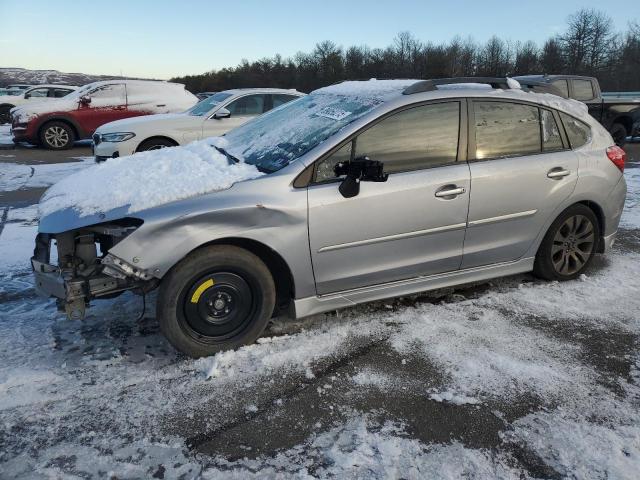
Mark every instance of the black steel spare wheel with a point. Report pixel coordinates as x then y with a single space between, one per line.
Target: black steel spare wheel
218 298
217 306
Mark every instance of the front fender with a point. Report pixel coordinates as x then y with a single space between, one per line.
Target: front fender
278 222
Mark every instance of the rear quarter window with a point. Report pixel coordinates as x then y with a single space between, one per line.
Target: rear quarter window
578 132
582 90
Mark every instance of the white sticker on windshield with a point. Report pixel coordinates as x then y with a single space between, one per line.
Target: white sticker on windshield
333 113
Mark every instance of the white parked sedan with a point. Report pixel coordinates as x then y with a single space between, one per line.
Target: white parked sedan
37 93
211 117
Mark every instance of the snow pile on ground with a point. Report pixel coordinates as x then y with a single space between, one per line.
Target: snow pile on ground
146 179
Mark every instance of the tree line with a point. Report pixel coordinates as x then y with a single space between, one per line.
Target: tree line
588 46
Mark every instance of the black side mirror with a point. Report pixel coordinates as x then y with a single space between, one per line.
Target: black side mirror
361 169
85 100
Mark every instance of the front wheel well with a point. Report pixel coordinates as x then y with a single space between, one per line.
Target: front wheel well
61 120
157 137
280 271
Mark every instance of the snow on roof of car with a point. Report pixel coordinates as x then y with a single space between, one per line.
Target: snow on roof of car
167 175
380 89
52 85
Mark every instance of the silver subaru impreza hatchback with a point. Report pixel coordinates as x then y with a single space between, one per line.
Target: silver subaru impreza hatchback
367 190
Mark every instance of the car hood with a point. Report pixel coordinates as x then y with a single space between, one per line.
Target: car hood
30 110
126 185
150 121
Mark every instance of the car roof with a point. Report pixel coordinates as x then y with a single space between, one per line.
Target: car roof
236 91
549 78
389 94
53 85
134 82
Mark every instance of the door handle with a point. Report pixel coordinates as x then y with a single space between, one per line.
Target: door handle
450 191
558 172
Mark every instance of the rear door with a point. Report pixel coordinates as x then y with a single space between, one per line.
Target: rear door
107 104
404 227
521 170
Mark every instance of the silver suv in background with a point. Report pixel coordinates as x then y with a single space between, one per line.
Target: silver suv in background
363 191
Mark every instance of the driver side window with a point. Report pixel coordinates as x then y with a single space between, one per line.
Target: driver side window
412 139
249 105
38 93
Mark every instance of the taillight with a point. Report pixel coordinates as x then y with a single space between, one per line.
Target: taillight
617 156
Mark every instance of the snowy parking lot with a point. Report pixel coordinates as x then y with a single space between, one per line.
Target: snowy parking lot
516 378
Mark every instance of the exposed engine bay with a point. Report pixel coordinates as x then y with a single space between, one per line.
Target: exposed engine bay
81 269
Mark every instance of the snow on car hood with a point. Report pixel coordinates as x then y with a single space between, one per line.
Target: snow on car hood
144 180
24 113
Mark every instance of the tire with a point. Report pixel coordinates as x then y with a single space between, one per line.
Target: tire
155 144
5 116
619 134
218 298
569 245
57 136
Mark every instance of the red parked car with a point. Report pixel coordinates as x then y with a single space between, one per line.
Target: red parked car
57 124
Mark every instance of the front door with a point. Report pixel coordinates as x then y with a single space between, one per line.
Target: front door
413 224
521 170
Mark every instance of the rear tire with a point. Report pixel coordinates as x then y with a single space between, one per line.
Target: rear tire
5 116
57 136
155 144
619 134
218 298
569 245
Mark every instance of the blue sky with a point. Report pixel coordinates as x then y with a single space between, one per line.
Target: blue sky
165 38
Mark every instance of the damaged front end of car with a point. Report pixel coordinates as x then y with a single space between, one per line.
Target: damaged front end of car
81 269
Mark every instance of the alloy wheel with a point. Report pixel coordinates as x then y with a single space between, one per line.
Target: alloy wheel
572 245
56 137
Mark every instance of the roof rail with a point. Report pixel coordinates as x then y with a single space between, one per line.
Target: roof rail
431 85
537 86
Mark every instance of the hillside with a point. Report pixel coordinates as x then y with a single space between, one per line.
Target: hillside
35 77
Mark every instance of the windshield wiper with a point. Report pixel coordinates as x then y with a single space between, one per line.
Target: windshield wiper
230 157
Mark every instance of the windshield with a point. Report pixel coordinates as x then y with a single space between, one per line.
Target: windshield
201 108
273 140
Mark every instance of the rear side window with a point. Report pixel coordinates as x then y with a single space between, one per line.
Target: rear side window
582 90
60 92
562 85
578 132
506 129
551 139
413 139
